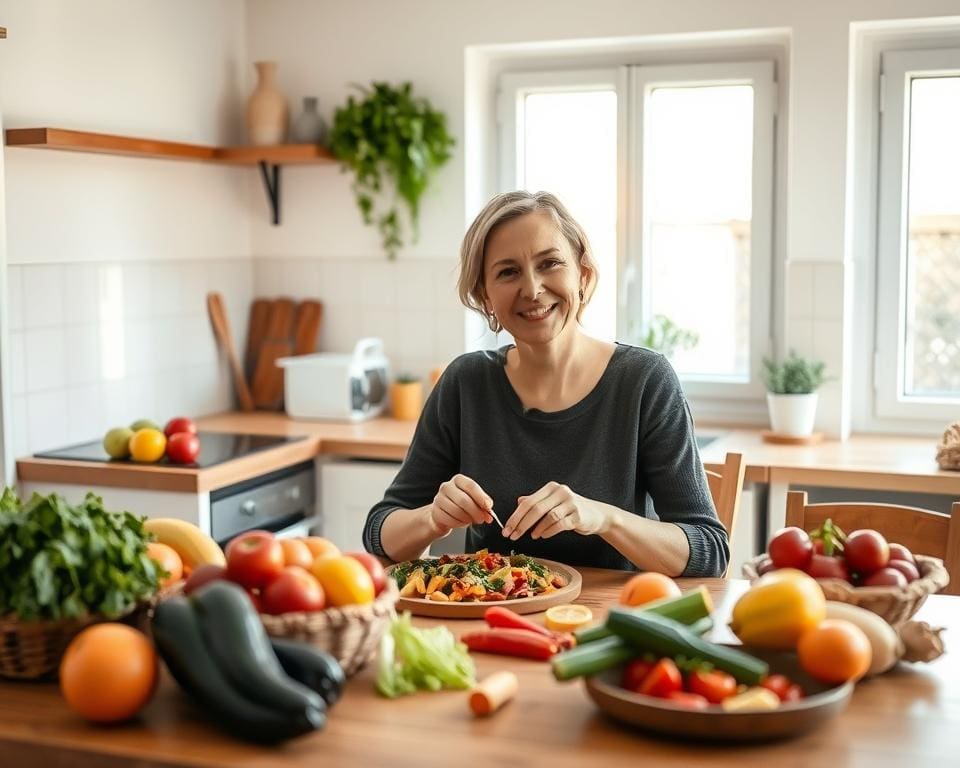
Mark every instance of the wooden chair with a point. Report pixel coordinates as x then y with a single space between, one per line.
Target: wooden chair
920 530
725 488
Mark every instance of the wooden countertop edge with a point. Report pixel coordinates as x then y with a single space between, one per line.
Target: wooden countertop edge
147 478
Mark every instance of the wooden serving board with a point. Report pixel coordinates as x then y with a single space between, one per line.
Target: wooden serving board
419 606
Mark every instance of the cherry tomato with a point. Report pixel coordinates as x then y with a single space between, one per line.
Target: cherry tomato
204 575
663 679
688 700
180 424
293 590
254 558
778 684
793 693
885 577
183 448
635 673
714 686
909 570
866 551
900 552
825 567
791 548
374 568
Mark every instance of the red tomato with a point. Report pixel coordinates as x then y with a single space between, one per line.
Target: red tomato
204 575
374 568
714 686
909 570
791 548
866 551
293 590
180 424
793 693
900 552
779 684
826 567
183 448
635 673
295 552
885 577
688 700
818 546
254 558
256 600
663 679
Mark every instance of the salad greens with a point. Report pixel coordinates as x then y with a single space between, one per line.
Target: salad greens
59 560
430 659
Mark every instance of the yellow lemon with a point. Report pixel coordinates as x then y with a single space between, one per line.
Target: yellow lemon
148 445
567 618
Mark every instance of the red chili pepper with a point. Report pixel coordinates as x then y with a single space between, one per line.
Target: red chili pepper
497 616
512 642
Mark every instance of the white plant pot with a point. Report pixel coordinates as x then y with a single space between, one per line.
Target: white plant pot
792 414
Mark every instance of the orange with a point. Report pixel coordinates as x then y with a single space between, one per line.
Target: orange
344 580
834 652
296 552
646 587
320 547
108 672
148 445
168 559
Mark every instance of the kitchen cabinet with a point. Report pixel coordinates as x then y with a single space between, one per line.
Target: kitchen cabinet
270 159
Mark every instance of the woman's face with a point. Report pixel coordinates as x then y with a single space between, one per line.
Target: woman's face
531 278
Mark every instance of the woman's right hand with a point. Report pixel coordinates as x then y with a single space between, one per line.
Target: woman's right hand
460 502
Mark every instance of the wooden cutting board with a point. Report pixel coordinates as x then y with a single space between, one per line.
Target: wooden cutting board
267 383
307 327
221 328
256 333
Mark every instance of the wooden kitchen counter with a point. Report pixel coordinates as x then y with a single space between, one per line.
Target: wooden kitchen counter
909 716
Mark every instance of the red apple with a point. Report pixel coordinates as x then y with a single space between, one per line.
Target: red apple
183 448
180 424
374 568
204 575
293 590
254 558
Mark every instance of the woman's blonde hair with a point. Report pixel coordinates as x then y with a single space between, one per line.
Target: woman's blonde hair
501 209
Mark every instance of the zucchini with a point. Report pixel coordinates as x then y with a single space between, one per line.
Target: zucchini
591 658
648 632
316 669
177 637
687 608
241 648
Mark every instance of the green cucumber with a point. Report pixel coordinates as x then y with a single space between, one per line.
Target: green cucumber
316 669
648 632
689 607
591 658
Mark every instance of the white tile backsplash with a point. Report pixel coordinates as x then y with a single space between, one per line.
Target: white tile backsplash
85 414
83 354
828 280
378 284
18 368
43 296
47 420
139 292
82 305
45 358
15 296
414 286
800 297
21 438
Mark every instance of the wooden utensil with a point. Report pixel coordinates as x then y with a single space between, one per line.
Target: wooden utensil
307 327
267 382
256 332
221 328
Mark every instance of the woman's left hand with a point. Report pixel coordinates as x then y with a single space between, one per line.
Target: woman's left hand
552 509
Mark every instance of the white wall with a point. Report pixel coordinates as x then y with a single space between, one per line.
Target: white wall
110 257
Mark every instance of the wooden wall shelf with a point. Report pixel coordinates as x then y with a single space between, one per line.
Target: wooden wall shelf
268 158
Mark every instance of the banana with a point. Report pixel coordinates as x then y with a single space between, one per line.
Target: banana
193 545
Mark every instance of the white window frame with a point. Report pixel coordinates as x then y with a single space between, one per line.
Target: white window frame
632 84
896 69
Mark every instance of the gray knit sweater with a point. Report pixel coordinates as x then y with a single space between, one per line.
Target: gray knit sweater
628 443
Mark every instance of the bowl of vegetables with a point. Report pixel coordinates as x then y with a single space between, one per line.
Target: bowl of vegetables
861 568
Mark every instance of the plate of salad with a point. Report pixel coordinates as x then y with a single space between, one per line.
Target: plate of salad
464 586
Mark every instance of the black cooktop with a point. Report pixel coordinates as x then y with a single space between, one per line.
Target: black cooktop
215 448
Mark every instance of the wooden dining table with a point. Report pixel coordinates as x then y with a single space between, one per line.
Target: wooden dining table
909 716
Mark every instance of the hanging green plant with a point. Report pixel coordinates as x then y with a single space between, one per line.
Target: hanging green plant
394 142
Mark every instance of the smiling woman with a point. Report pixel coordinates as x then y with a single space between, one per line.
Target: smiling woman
584 448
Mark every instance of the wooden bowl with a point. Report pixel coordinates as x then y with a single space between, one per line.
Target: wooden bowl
822 703
895 605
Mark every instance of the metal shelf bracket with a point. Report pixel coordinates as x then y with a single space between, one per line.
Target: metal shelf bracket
271 183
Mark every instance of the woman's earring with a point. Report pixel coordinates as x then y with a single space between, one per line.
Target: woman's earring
581 294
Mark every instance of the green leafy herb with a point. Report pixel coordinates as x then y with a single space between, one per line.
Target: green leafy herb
59 560
794 376
414 659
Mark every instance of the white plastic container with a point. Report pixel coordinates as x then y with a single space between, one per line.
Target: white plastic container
341 387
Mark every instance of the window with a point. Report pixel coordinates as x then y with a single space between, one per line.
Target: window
917 351
685 154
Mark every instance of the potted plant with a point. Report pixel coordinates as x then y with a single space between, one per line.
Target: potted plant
394 142
406 397
792 393
666 337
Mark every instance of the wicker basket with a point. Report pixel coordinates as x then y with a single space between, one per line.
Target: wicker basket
31 650
350 633
893 604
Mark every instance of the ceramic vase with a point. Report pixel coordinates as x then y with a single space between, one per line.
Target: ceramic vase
406 400
309 127
792 415
267 114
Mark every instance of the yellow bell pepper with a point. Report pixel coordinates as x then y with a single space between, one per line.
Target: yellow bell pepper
778 608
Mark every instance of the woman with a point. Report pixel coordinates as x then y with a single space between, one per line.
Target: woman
565 437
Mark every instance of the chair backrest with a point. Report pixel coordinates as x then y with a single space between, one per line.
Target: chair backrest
725 488
922 531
